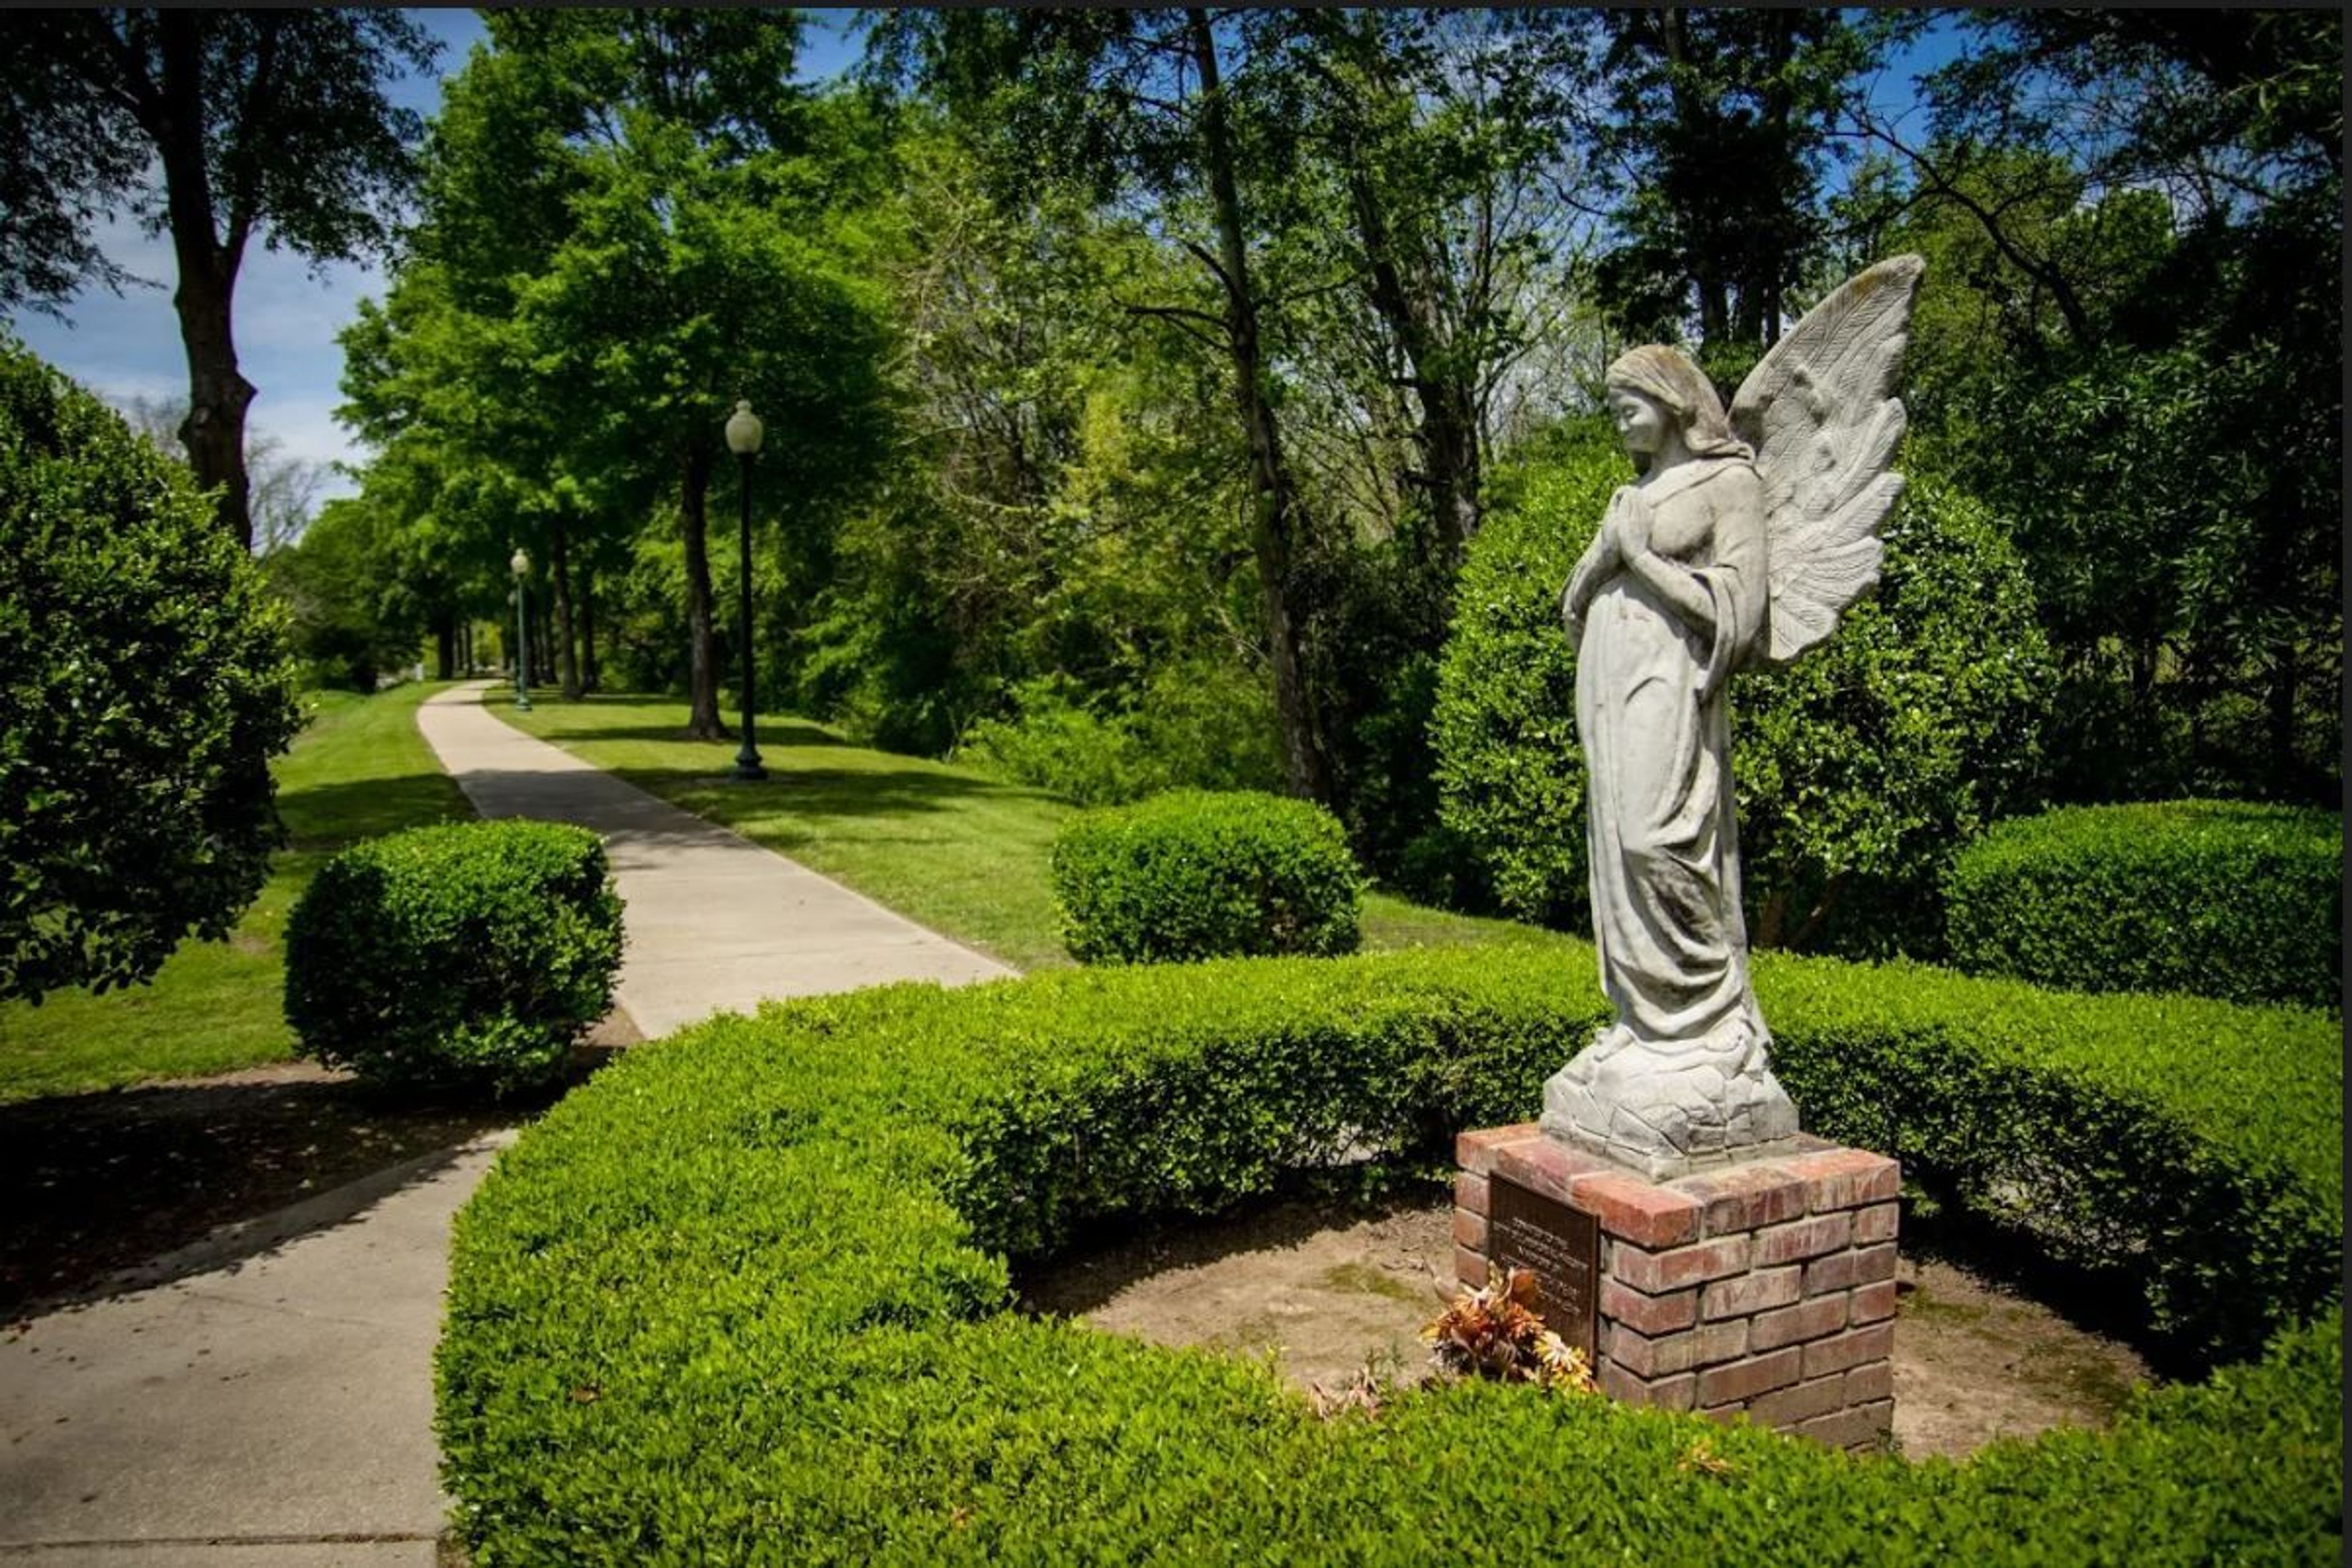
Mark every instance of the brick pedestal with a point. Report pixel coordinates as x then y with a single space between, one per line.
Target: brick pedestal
1766 1287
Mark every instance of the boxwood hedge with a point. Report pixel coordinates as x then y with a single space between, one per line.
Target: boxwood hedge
2224 899
743 1298
470 953
1206 874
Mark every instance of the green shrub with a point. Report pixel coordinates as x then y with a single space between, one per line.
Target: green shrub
743 1298
146 687
1196 874
469 954
2217 897
1860 768
1199 724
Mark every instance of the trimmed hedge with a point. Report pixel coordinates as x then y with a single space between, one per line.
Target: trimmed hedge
472 953
744 1297
2217 897
1206 874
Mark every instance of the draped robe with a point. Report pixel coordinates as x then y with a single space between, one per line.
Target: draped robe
1651 716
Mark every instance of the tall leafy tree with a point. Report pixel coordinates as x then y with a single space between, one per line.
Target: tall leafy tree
269 125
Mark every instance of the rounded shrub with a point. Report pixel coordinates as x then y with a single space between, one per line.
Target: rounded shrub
1859 768
1203 874
745 1297
471 954
146 687
2225 899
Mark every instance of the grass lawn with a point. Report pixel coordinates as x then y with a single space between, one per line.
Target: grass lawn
358 770
956 849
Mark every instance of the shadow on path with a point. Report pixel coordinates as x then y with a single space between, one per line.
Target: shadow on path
124 1189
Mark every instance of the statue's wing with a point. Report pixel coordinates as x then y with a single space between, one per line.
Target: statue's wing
1821 413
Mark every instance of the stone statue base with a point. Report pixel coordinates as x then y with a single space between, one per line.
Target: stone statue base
1765 1286
1669 1110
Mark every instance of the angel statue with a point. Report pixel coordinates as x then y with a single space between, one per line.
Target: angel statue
1741 541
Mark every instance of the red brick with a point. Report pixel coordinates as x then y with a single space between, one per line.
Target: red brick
1859 1427
1469 1230
1662 1393
1648 1357
1475 1151
1674 1392
1872 1264
1470 1193
1868 1384
1872 1302
1470 1268
1845 1178
1827 1276
1792 1325
1642 1213
1543 1166
1720 1343
1757 1290
1659 1272
1787 1406
1745 1197
1852 1348
1802 1238
1875 1223
1740 1381
1647 1313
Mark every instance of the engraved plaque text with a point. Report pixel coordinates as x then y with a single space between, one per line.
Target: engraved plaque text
1561 1247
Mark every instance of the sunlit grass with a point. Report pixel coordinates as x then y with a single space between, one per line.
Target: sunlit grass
951 848
359 769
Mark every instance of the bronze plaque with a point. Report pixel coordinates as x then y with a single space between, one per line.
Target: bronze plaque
1561 1247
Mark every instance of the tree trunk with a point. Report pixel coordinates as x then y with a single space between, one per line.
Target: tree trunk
1406 291
589 679
567 662
1275 505
214 432
445 646
702 676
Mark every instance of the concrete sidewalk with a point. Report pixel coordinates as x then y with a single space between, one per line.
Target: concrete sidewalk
714 922
276 1411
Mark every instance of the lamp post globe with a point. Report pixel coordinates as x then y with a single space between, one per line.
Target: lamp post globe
520 565
743 433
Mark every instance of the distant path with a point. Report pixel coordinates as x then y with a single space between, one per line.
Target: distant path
276 1411
713 920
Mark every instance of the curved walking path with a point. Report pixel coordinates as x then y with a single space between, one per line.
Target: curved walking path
276 1411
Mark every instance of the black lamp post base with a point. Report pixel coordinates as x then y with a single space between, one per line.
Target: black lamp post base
748 768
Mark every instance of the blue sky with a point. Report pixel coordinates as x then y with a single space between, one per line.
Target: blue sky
288 314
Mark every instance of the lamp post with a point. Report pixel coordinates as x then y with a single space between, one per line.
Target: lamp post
743 433
521 566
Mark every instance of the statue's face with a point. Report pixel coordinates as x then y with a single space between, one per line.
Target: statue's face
1641 424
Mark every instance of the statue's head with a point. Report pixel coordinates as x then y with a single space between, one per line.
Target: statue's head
1672 383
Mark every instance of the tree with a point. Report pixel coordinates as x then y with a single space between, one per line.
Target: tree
1138 105
2128 342
267 124
284 489
147 688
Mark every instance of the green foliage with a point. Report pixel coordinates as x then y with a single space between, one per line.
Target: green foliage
1199 725
740 1297
1859 767
348 620
358 767
1201 874
472 954
147 688
2216 898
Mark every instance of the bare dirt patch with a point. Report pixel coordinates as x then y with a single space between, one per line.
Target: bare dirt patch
1326 1286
